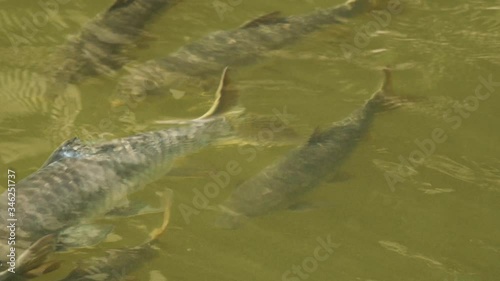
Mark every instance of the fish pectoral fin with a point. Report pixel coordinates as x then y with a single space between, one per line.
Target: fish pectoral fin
84 235
34 257
43 269
168 198
267 19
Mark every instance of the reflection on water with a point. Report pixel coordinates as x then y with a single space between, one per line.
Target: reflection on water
440 222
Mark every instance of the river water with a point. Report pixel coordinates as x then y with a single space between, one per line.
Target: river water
421 193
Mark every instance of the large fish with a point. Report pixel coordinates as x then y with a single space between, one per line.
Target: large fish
279 185
84 181
120 263
99 47
243 45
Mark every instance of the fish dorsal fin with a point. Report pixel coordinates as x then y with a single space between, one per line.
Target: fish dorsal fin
267 19
316 136
63 151
226 97
119 4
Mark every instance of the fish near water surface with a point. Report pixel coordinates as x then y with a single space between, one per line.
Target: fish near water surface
118 264
81 181
99 47
203 58
280 184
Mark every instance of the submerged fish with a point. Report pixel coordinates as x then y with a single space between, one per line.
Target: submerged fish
99 47
243 45
120 263
303 169
84 181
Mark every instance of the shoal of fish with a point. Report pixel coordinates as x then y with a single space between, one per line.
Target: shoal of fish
83 181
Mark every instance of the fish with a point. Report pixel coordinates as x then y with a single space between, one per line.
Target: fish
241 46
49 91
99 49
279 185
99 46
83 181
118 264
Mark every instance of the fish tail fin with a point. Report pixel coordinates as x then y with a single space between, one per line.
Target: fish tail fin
386 98
32 262
226 97
168 199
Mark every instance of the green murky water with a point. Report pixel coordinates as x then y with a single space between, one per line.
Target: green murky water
398 216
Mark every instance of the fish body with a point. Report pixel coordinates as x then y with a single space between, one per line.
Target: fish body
280 184
83 181
98 48
239 46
